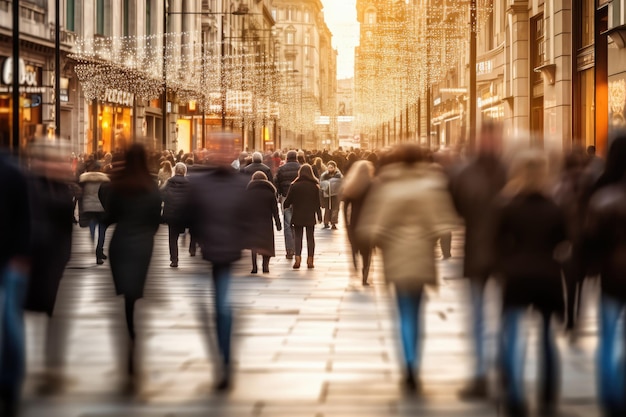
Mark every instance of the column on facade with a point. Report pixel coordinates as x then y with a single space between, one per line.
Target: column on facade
517 62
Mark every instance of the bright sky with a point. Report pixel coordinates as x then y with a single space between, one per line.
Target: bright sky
340 16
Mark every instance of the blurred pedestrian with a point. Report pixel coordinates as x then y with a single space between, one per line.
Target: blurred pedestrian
568 193
15 262
474 190
219 218
90 209
175 195
287 173
330 184
304 198
52 191
605 253
355 188
262 194
529 230
133 203
407 208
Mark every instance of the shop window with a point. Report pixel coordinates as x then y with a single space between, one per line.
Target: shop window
587 24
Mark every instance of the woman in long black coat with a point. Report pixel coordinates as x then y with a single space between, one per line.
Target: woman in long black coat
262 194
304 196
134 203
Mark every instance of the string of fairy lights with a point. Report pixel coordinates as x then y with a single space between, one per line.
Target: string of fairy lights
256 87
412 45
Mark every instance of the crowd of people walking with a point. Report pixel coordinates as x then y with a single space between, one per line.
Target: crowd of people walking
525 227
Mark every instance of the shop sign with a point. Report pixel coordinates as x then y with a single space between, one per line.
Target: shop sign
114 96
27 73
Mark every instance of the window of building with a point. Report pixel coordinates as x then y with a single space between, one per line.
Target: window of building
587 23
149 17
370 17
69 15
275 14
103 17
291 14
587 113
290 37
126 12
307 17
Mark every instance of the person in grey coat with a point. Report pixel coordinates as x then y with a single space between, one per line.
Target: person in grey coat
91 210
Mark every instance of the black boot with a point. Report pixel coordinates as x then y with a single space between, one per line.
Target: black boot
266 264
254 265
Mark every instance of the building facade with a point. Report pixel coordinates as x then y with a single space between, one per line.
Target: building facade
309 72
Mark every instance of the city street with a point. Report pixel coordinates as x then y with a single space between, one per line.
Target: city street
306 342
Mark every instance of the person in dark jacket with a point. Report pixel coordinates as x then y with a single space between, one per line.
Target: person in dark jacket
474 189
304 198
356 185
262 194
175 194
285 176
134 205
258 165
530 232
219 218
605 252
15 232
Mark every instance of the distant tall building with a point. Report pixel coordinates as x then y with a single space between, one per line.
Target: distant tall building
309 70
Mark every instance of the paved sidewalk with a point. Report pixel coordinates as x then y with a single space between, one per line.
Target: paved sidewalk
306 342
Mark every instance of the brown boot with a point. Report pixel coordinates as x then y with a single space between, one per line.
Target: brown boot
309 262
296 264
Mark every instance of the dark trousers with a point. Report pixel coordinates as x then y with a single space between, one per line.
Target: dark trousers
331 212
223 313
174 231
298 232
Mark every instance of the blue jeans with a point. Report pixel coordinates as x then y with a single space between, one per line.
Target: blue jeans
513 358
12 342
223 313
611 379
288 230
409 304
102 227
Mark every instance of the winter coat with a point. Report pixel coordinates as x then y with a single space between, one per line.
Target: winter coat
175 195
354 206
15 219
474 190
304 197
90 183
331 184
406 210
52 208
285 176
258 166
605 238
528 228
262 196
137 217
220 213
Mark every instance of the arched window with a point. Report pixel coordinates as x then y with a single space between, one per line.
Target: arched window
370 16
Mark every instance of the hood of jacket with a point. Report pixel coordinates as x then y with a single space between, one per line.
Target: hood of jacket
261 184
93 176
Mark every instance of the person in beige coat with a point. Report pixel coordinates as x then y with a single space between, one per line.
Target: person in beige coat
407 209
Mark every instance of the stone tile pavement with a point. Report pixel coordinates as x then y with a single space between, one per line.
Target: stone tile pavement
306 342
